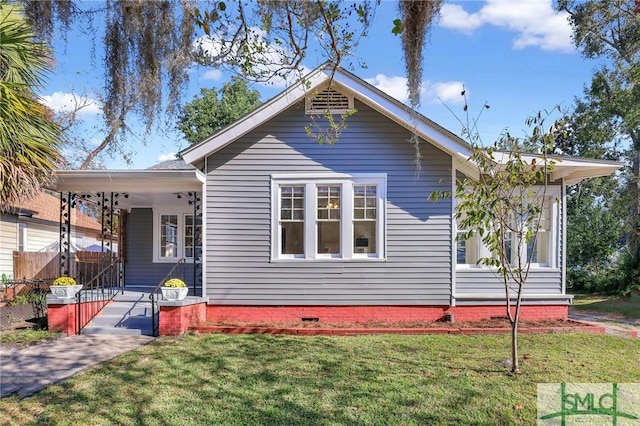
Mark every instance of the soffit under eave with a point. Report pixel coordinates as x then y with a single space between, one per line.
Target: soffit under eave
142 182
578 174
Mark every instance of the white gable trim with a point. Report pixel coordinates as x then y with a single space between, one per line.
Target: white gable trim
261 115
345 82
570 169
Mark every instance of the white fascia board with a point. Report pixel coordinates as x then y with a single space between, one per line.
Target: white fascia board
376 99
261 115
150 181
467 167
403 115
573 170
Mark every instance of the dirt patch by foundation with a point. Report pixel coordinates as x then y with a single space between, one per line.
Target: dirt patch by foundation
493 326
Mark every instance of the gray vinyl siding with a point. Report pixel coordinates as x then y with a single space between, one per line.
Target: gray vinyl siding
140 270
41 237
417 269
8 243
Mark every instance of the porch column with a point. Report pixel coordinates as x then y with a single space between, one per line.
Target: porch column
67 201
196 201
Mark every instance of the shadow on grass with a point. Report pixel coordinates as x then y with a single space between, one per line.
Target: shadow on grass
275 380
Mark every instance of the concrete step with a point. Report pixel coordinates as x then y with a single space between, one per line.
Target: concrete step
127 308
128 313
117 330
129 296
120 322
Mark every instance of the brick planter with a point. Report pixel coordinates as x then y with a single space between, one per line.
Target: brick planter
63 313
175 317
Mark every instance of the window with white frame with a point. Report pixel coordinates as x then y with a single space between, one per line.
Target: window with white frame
333 216
467 246
22 236
175 236
292 220
541 252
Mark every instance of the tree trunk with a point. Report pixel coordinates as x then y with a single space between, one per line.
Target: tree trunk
634 235
515 367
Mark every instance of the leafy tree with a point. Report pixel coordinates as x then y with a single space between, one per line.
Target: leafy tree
504 206
29 139
595 227
214 109
594 207
149 45
610 29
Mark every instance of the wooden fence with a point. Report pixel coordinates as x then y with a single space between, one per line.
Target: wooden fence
46 265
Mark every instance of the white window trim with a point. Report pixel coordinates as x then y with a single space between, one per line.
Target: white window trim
180 236
22 235
310 182
554 233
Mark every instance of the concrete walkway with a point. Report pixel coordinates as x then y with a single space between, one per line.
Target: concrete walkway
614 325
26 371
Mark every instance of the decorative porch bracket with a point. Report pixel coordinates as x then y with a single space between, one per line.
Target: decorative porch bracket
67 202
196 202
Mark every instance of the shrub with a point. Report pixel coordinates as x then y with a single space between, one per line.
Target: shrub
64 281
175 282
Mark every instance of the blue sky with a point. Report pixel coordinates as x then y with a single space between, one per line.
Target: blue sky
515 55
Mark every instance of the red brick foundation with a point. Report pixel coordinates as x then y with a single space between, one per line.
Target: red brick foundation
527 313
63 318
363 314
175 320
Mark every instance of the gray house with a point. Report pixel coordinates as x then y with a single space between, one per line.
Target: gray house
274 226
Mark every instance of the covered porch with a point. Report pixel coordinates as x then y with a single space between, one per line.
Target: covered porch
151 222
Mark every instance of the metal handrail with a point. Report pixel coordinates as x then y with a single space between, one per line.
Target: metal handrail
96 291
156 324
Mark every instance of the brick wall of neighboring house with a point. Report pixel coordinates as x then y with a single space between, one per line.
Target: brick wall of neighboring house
45 207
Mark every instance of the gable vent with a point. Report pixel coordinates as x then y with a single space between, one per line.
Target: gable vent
329 100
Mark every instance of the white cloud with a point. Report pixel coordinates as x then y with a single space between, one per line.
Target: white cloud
535 22
454 17
165 157
214 75
267 58
448 92
394 86
432 92
67 102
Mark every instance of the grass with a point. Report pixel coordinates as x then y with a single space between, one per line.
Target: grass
627 306
365 380
25 337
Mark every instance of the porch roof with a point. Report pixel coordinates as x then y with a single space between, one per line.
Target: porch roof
571 169
145 187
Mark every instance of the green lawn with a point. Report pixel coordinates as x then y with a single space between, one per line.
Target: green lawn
26 337
627 306
368 380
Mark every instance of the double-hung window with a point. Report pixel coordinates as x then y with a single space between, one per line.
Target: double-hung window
540 253
468 246
331 216
175 236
